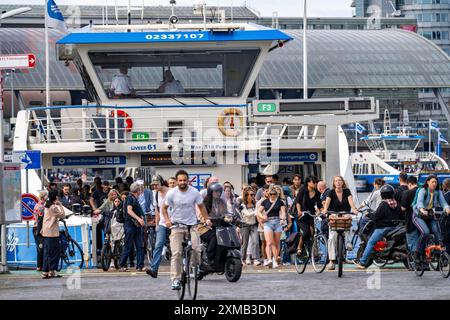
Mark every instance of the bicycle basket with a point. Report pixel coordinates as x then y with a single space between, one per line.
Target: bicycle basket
342 223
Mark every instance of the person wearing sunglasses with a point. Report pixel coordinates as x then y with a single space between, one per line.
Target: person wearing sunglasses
249 228
308 199
273 213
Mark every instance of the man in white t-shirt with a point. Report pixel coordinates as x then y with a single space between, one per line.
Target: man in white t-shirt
184 201
121 83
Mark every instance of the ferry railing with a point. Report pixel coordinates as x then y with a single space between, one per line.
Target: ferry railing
102 127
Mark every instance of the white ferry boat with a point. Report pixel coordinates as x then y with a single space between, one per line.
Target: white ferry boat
391 153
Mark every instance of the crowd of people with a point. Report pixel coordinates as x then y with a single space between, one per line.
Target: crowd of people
267 215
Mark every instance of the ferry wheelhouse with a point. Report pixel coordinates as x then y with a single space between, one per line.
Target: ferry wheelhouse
391 153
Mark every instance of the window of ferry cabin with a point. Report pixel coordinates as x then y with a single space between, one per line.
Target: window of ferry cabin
206 73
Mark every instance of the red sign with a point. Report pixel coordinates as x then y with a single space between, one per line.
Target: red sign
411 28
17 61
29 201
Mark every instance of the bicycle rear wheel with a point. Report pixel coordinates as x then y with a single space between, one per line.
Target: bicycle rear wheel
419 267
319 253
301 261
105 257
150 245
340 254
117 253
444 264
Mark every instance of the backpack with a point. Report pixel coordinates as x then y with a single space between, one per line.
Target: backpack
413 204
120 217
302 194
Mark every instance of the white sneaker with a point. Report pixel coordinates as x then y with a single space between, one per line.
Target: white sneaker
257 263
274 263
248 261
266 263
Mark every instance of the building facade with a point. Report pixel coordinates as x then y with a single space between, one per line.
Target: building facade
432 16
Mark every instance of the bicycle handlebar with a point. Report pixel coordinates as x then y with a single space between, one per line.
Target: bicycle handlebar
339 213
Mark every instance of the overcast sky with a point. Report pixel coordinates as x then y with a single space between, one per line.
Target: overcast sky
317 8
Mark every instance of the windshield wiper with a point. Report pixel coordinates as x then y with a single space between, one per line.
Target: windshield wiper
146 101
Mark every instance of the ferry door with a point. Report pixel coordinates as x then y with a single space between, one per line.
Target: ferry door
304 170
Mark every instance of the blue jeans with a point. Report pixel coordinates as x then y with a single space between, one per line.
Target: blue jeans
161 236
424 231
412 239
133 235
376 236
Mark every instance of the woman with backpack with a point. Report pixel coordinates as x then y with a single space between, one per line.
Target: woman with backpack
429 197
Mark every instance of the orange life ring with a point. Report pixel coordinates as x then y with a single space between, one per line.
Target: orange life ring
128 121
236 125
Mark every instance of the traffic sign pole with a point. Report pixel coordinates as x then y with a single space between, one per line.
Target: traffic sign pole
4 265
23 61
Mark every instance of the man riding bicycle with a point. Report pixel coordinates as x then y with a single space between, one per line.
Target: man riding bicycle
185 201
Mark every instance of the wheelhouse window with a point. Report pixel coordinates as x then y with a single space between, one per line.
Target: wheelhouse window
404 145
186 73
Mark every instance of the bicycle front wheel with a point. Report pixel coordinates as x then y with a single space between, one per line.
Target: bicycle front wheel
73 256
444 265
319 254
105 257
301 260
340 254
191 277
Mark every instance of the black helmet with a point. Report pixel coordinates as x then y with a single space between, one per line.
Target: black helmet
215 187
387 192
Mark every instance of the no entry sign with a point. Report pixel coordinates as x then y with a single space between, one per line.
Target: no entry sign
29 201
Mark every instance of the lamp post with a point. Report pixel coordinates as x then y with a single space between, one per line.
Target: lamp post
4 15
305 51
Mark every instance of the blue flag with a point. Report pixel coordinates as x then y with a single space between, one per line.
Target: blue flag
359 128
442 138
55 19
434 125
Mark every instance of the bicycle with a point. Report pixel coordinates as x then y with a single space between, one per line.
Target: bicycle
189 273
111 252
341 224
435 255
316 247
319 250
149 236
71 252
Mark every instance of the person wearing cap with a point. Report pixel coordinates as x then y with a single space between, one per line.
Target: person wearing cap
161 188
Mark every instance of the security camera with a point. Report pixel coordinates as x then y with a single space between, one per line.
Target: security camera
169 146
173 19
